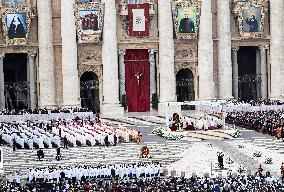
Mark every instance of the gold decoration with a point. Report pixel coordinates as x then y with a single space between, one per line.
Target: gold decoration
255 9
89 34
16 21
189 6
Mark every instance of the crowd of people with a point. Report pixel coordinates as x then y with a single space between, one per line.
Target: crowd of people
49 134
241 183
197 122
41 111
269 122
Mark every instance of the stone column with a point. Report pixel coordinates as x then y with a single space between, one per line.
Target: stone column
263 71
258 73
2 82
46 75
224 49
205 53
71 86
235 73
166 59
121 54
276 48
111 106
152 72
32 85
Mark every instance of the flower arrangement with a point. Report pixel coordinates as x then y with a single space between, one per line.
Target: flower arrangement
241 169
268 160
229 160
257 154
167 134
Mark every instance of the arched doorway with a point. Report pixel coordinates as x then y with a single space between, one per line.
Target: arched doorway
249 80
15 79
89 91
185 85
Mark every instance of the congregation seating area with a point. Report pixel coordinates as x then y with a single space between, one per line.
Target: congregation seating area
49 134
164 184
269 122
219 106
41 111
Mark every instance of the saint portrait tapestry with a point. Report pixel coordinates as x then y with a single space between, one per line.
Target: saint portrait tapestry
16 25
89 22
186 16
250 16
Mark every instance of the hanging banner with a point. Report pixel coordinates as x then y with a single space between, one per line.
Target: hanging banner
186 17
250 17
89 22
138 19
16 25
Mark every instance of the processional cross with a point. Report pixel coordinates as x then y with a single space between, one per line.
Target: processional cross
138 75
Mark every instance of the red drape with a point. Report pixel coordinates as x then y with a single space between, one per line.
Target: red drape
137 92
146 8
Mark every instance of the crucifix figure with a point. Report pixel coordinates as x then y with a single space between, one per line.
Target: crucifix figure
138 75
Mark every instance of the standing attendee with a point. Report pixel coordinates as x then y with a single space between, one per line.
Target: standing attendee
65 142
106 140
115 139
14 144
58 154
17 178
10 178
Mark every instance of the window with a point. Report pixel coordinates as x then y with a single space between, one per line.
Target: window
134 1
14 3
87 1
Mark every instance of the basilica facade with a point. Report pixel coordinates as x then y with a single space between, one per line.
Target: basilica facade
136 55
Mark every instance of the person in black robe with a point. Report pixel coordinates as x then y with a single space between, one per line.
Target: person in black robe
253 24
14 144
186 24
115 139
65 142
106 140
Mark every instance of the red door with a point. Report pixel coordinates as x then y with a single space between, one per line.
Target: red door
137 79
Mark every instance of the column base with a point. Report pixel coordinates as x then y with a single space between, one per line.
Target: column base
164 109
111 111
226 98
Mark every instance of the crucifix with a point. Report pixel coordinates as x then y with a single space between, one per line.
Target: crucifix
138 75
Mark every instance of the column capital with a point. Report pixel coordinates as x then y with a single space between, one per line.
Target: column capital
31 55
236 48
263 47
2 56
152 51
121 52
